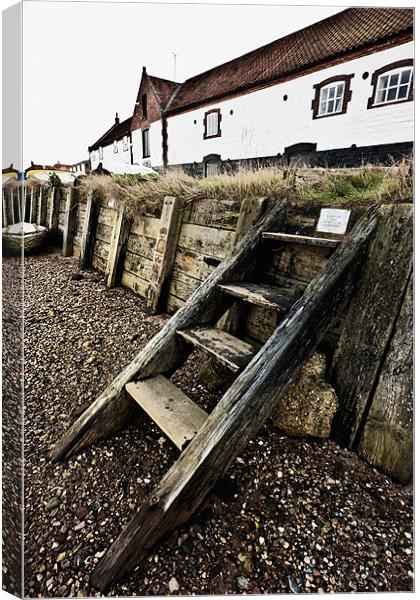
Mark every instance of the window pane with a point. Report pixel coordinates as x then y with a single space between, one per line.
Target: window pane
405 76
381 96
338 104
392 94
340 89
323 108
383 81
324 94
212 123
403 92
394 79
330 106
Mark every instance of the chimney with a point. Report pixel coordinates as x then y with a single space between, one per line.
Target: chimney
117 119
144 70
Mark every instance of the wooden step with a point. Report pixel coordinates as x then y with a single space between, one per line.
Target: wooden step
261 294
176 414
301 239
227 349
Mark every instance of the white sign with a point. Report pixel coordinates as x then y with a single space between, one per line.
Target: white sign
333 220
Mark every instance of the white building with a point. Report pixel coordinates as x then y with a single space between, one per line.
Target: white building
336 93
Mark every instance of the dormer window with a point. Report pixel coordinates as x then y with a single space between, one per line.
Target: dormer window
392 83
212 120
331 96
115 146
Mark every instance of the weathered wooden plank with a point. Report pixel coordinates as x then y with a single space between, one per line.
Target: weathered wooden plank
163 353
72 197
301 239
146 226
141 245
173 412
117 252
101 249
240 413
138 265
370 319
206 240
387 438
164 254
99 263
259 323
192 264
298 262
221 214
88 235
132 282
261 294
230 351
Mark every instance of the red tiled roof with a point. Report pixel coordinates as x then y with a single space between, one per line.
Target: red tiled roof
345 32
116 132
164 88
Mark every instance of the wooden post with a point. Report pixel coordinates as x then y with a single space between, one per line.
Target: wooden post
20 194
164 353
33 205
55 208
42 207
88 234
240 413
164 254
387 438
251 211
4 208
70 213
119 239
12 206
370 320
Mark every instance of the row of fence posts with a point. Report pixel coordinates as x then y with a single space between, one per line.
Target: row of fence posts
30 205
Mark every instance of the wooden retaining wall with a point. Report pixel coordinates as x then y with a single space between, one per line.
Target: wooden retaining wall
164 256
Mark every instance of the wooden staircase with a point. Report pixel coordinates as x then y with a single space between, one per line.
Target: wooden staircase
209 443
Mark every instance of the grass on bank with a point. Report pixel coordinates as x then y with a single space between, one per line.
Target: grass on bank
335 187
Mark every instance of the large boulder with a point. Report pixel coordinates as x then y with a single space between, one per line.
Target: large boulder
309 404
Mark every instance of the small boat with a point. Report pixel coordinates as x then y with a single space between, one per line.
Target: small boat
28 235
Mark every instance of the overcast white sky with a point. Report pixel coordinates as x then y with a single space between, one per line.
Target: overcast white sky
83 60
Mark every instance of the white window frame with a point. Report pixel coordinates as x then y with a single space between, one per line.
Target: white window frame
101 153
125 143
212 125
115 146
385 78
329 94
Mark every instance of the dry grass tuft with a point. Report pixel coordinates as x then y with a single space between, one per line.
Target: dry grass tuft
337 187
